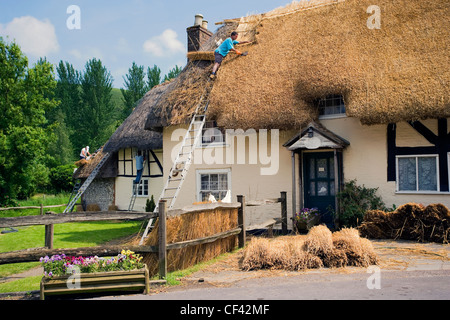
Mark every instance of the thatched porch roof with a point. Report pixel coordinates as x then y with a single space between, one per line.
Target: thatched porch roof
312 49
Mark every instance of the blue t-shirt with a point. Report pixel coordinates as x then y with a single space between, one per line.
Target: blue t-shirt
226 46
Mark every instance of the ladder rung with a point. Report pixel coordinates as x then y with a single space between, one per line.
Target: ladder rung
172 188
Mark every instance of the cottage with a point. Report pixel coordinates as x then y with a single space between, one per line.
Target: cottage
325 95
113 187
344 100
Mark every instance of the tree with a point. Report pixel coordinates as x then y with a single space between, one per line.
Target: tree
97 120
135 88
154 77
26 95
173 73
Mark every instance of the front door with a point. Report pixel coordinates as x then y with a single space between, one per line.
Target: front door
319 187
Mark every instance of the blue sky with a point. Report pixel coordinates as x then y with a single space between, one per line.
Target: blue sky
118 32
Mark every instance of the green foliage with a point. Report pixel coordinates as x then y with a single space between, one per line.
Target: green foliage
354 201
153 76
135 88
61 178
97 110
26 96
173 73
150 205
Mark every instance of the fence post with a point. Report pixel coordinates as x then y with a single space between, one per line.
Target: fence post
49 231
162 237
241 221
284 213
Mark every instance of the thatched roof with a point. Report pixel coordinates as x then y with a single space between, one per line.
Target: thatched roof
131 134
108 170
312 49
183 93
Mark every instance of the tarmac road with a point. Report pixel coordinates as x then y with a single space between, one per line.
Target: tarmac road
393 285
408 271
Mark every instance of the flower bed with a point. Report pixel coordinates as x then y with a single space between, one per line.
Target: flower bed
59 265
65 275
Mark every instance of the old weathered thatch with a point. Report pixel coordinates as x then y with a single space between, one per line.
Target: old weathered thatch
312 49
131 134
411 221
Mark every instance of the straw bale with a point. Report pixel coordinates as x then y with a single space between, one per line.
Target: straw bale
319 241
201 55
359 251
93 207
411 221
319 248
193 226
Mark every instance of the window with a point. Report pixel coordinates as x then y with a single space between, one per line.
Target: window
212 135
214 182
331 107
417 173
141 188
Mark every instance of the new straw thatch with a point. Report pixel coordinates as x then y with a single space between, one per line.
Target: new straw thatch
312 49
409 222
191 226
320 248
397 73
85 167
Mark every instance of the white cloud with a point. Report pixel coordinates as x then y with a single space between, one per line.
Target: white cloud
164 44
35 37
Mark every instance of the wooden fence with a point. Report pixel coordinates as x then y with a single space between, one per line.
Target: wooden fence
33 255
50 219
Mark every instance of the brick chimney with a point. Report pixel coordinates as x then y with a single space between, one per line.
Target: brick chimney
198 34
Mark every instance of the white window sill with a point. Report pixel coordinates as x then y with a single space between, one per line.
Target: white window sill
423 192
333 116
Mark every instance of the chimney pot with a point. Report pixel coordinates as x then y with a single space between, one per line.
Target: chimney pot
205 24
198 20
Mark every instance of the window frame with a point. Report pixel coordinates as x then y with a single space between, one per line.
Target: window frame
142 193
212 125
332 115
199 174
417 191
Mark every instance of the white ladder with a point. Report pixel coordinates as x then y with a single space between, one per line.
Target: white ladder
87 183
180 167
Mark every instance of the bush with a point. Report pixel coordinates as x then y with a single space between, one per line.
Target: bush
61 179
355 201
150 205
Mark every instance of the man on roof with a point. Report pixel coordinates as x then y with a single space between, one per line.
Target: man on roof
223 50
85 155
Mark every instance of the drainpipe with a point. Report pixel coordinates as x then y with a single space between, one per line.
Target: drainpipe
294 191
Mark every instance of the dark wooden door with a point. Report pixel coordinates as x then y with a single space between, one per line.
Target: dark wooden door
319 186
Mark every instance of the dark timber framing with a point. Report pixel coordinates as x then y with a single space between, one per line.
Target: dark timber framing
441 147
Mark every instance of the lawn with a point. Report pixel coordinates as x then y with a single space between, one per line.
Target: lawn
69 235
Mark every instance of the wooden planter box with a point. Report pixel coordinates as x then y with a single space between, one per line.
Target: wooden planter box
114 281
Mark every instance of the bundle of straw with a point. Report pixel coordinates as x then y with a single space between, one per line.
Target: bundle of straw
320 248
201 55
193 226
411 221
